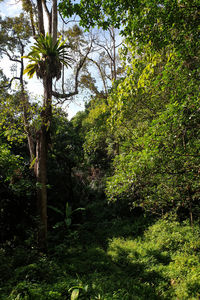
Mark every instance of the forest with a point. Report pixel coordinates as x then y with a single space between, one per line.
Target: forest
104 204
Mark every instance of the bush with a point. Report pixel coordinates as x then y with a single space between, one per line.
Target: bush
166 258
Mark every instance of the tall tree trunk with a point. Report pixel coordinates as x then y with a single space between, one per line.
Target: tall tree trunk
40 153
41 175
43 138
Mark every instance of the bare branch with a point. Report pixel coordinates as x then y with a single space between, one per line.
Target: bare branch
10 83
49 16
119 45
101 73
104 47
54 20
9 56
75 92
46 8
112 33
70 21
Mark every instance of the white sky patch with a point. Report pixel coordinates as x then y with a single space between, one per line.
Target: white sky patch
10 8
1 13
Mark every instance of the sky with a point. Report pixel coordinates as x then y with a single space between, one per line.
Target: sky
11 8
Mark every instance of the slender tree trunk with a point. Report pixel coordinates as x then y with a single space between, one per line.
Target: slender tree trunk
43 138
25 107
40 153
31 144
114 55
40 172
48 15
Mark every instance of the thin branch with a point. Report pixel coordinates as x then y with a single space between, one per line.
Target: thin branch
32 16
118 45
46 8
75 92
9 56
10 83
101 73
70 21
112 33
49 16
104 47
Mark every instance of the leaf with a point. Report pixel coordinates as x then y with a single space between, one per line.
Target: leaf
68 210
32 163
86 288
77 209
56 210
75 294
68 221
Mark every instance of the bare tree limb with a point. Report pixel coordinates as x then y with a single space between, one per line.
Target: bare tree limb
32 17
49 16
75 92
9 56
104 47
46 8
101 73
54 20
70 21
119 45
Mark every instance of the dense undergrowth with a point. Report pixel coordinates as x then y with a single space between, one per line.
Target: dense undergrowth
117 259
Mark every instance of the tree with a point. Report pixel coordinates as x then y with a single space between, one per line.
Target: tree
154 116
47 58
107 62
162 22
152 107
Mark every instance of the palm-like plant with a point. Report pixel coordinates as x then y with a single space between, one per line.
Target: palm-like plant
47 57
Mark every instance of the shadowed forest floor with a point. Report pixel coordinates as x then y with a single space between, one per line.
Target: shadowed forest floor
117 259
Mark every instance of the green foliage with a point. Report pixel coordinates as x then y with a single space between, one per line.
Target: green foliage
75 290
14 30
167 256
154 116
97 136
167 22
67 215
102 13
9 163
65 156
161 263
11 121
144 136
